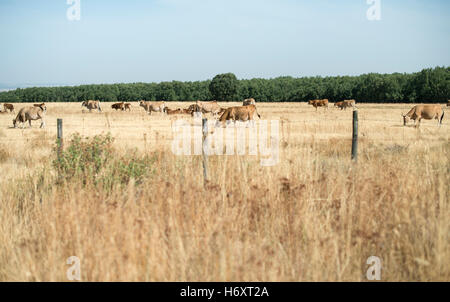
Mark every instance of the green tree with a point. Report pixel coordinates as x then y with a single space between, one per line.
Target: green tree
224 87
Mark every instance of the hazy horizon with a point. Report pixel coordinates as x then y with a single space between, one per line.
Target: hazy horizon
174 40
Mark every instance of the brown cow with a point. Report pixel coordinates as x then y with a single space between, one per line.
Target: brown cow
172 112
118 106
350 103
9 107
31 113
153 106
92 105
340 105
428 112
186 111
239 113
319 103
343 105
209 107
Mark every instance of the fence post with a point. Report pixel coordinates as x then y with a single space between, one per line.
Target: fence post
204 155
355 136
60 136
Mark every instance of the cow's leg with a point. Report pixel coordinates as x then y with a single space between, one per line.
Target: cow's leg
29 121
418 122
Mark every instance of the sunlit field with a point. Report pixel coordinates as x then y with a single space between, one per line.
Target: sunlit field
145 214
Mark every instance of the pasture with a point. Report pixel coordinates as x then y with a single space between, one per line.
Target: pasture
315 216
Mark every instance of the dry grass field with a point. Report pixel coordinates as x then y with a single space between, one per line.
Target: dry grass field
141 213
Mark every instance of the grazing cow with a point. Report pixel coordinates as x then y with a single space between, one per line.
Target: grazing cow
344 104
194 108
186 111
153 106
319 103
127 106
250 101
340 105
172 112
428 112
29 114
209 107
92 105
118 106
240 113
7 107
350 103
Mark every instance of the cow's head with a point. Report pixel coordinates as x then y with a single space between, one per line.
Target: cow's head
84 104
405 119
43 107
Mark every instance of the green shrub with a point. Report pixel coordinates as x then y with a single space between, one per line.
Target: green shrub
94 161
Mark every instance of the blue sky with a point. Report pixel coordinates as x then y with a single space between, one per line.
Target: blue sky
188 40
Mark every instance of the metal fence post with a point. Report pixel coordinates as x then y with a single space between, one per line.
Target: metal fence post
355 136
60 136
204 155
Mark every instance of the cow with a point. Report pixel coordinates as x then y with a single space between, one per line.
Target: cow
186 111
92 105
209 107
31 113
350 103
172 112
319 103
247 102
153 106
428 112
194 108
340 105
118 106
344 104
127 106
239 113
9 107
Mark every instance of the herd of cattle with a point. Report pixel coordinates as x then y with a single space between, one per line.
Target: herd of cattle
244 113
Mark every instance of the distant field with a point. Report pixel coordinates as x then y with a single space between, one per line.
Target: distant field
313 217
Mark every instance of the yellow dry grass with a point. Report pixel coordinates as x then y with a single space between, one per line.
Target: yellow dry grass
315 216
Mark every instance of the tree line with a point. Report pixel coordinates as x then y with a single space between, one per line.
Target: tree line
427 86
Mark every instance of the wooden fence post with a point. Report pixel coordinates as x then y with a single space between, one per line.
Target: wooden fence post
355 136
60 136
204 155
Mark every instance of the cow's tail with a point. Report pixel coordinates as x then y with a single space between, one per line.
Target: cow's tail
442 117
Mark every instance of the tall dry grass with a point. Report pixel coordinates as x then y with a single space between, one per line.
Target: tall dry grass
314 217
